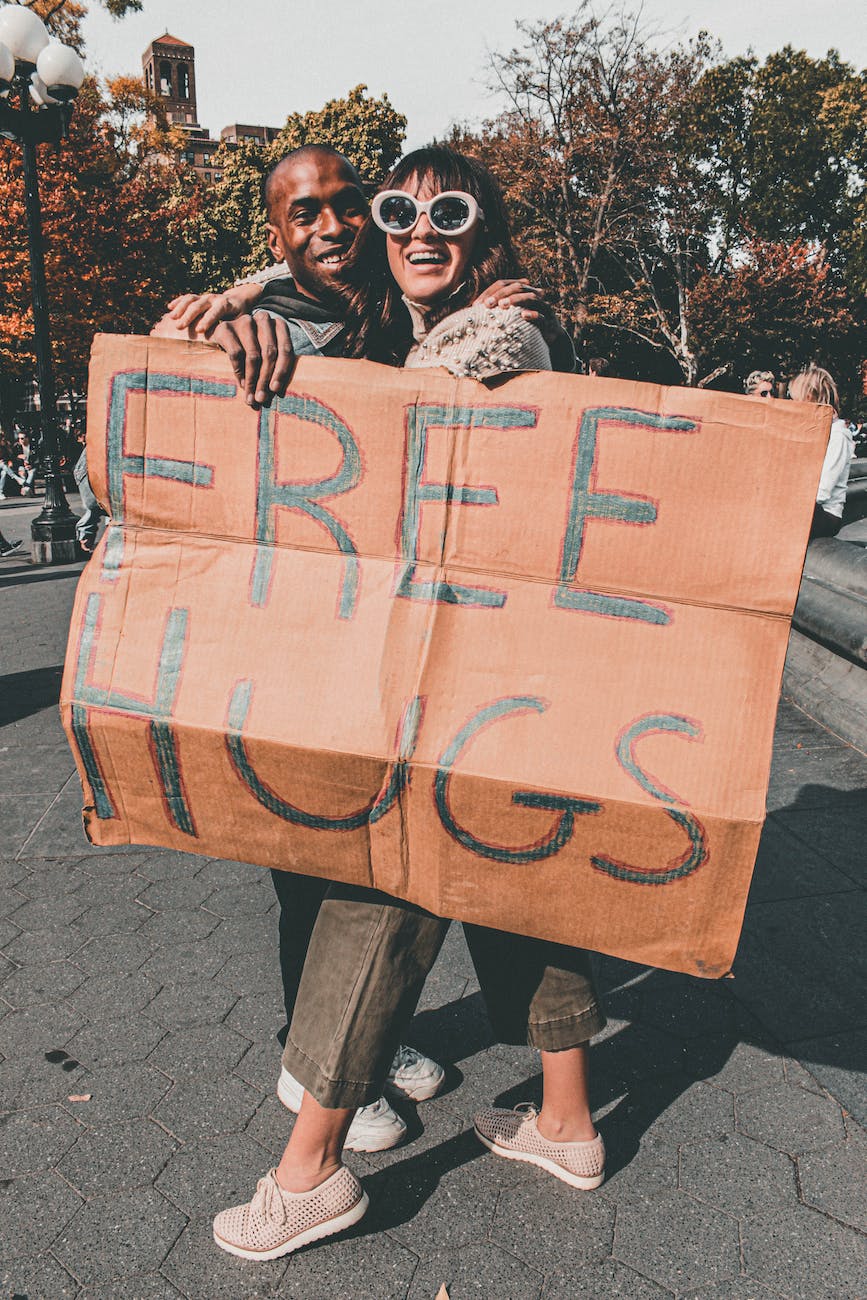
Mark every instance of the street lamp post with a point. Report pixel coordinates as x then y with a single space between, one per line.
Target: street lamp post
44 76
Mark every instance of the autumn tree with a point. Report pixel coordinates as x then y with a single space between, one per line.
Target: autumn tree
109 219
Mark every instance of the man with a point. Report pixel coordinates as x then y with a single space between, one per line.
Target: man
316 205
759 383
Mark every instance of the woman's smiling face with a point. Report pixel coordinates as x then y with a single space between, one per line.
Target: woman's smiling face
429 266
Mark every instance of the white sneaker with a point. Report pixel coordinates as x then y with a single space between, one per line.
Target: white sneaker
375 1127
414 1075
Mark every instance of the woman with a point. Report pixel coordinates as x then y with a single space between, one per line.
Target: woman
437 238
815 385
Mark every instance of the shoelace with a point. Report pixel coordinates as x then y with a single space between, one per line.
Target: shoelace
528 1108
267 1192
405 1055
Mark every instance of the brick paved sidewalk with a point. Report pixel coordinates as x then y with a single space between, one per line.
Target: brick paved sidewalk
734 1113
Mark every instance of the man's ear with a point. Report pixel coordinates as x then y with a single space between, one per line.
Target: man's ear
274 243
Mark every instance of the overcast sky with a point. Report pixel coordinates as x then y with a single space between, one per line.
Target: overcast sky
259 60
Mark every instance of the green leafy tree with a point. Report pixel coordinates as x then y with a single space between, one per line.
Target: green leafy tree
369 131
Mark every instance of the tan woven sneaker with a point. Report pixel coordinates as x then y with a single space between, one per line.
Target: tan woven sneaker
513 1134
277 1222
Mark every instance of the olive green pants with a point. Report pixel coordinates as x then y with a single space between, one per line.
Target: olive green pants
367 962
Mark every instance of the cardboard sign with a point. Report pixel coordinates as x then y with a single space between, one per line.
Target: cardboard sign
509 651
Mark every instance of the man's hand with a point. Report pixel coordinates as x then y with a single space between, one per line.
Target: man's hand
532 301
202 312
260 350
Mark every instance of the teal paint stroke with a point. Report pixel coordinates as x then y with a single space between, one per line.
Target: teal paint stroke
615 507
372 812
158 712
304 496
419 420
696 854
568 807
121 465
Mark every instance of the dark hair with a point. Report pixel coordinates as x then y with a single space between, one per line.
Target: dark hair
598 366
378 324
269 181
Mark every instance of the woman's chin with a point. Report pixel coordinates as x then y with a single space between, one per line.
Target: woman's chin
427 289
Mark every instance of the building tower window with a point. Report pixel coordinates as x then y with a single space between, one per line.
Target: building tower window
183 81
165 78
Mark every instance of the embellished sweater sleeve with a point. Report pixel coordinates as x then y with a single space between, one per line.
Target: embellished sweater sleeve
481 342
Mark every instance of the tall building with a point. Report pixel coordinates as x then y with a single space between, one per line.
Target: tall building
170 71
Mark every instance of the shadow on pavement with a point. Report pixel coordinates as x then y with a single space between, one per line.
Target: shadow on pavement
28 692
21 579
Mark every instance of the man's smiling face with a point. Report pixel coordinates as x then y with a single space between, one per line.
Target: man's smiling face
316 208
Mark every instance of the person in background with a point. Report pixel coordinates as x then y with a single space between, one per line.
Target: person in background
598 367
816 385
759 383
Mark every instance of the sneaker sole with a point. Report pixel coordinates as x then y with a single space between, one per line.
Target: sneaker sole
550 1166
421 1091
382 1142
327 1229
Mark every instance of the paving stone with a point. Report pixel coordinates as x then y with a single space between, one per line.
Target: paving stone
222 873
530 1215
427 1131
51 880
794 780
200 1108
198 1268
38 1277
184 961
111 918
119 1235
217 1172
244 933
736 1288
185 891
796 1074
105 864
11 871
688 1008
169 864
737 1175
125 952
271 1126
258 1017
803 1253
33 1210
797 996
34 1140
790 1119
743 1067
242 900
51 982
677 1242
624 1053
190 1002
38 1029
787 867
32 948
18 816
260 1066
46 914
259 970
439 1199
38 1078
181 925
837 834
116 1042
199 1051
37 770
95 891
835 1181
119 1092
632 1168
150 1286
8 933
682 1112
441 989
352 1266
111 995
478 1270
837 1061
606 1281
118 1157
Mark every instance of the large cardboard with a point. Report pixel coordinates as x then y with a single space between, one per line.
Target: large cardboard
509 651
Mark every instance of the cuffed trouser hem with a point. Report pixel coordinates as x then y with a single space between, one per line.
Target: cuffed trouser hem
568 1031
332 1094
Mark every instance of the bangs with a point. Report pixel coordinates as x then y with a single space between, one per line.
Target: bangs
441 168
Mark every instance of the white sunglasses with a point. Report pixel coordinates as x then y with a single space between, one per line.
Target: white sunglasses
449 213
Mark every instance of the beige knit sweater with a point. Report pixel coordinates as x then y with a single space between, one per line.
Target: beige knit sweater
477 341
